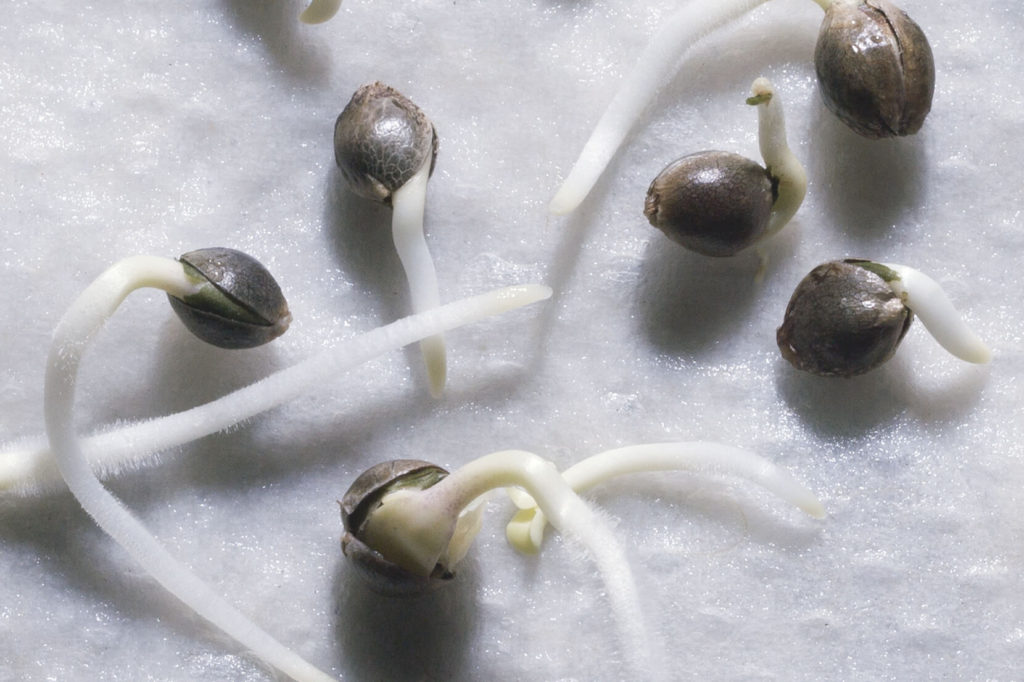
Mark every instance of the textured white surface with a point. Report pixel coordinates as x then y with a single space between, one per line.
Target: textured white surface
163 127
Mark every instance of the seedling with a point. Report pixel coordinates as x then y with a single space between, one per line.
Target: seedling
525 531
407 523
385 147
848 317
874 65
212 289
226 298
29 469
719 203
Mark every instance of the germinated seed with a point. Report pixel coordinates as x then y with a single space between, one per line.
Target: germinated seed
381 139
843 320
362 497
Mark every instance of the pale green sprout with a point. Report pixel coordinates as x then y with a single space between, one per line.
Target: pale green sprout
408 204
525 531
783 166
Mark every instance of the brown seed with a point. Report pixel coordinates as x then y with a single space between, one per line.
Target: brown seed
243 308
380 140
362 497
875 68
843 320
715 203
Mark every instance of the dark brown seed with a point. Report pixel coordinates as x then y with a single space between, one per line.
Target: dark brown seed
380 140
244 308
715 203
875 68
843 320
362 497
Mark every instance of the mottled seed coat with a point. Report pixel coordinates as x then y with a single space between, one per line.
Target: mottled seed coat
842 320
244 307
381 139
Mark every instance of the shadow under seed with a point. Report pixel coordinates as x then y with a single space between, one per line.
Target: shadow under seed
867 186
688 302
421 637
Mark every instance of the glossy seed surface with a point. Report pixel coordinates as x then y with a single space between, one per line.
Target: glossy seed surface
842 320
715 203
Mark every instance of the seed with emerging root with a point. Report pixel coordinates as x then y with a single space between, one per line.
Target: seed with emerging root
719 203
362 497
842 320
385 147
848 317
381 139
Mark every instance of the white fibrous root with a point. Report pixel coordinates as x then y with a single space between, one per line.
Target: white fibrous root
929 302
783 166
657 62
78 326
29 469
526 530
408 203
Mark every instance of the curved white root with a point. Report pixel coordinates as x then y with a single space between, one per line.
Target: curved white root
30 470
413 527
526 530
319 11
929 302
78 326
657 62
782 164
408 202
